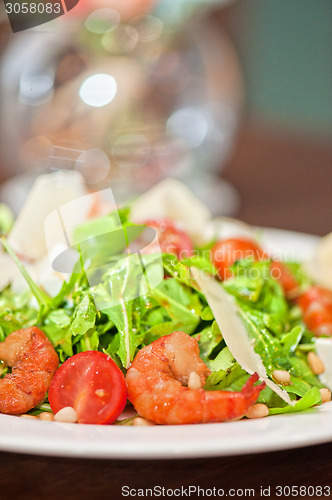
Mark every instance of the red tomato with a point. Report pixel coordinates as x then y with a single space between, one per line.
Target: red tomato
171 239
92 384
281 273
316 306
226 252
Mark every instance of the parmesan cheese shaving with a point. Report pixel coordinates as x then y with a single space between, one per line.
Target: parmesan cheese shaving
49 192
324 351
171 199
319 267
226 313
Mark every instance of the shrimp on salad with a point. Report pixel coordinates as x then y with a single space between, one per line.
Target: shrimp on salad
34 362
165 385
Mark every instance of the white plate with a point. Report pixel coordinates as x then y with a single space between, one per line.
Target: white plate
232 438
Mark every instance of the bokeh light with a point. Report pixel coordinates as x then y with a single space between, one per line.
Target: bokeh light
102 21
98 90
94 165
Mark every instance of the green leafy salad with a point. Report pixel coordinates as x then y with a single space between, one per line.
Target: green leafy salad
83 315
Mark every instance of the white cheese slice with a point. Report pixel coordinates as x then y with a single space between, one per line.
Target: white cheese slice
227 227
319 266
324 351
226 313
49 192
171 199
10 273
8 270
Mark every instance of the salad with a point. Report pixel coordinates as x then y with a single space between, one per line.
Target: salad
165 310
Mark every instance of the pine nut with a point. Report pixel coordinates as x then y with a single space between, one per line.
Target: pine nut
67 414
31 417
325 394
141 422
258 410
281 377
194 381
46 415
315 362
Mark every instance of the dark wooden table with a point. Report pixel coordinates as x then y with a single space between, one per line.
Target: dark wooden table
284 181
27 477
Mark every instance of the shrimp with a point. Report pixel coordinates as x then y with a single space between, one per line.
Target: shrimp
34 362
158 381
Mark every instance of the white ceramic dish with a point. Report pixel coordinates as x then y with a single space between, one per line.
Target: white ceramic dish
160 442
233 438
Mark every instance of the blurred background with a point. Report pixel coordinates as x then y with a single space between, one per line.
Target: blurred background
234 98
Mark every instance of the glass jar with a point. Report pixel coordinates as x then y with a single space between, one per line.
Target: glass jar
126 104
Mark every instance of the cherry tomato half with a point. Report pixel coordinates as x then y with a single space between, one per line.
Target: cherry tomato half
281 273
316 306
92 384
226 252
171 239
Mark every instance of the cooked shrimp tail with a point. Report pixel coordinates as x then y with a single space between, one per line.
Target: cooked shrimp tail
33 361
165 385
250 389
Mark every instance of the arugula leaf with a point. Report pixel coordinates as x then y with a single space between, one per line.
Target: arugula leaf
42 298
206 314
98 226
182 294
301 369
264 343
16 312
60 337
84 316
311 398
89 341
11 320
116 299
245 289
14 301
223 361
297 386
128 339
83 323
291 340
233 377
201 262
77 279
60 318
184 319
157 331
209 339
179 271
299 274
